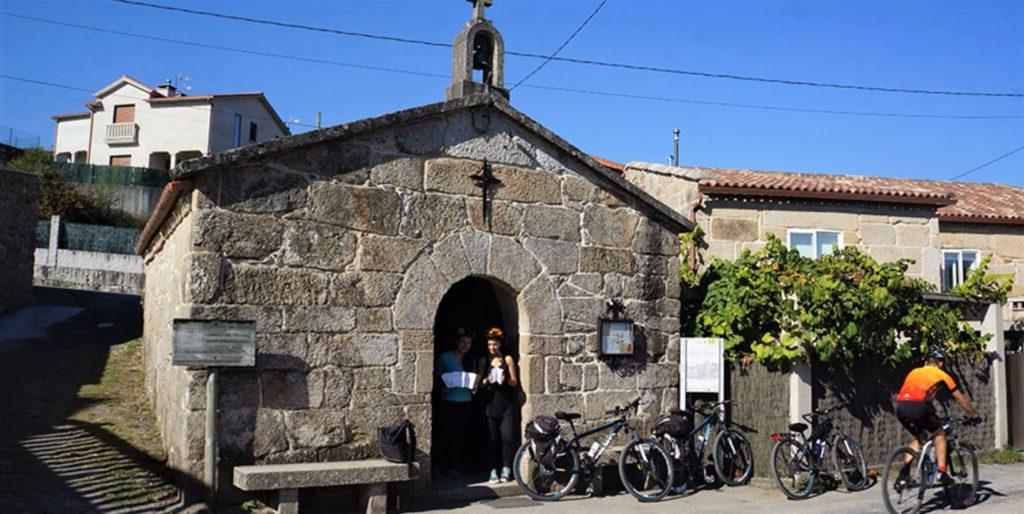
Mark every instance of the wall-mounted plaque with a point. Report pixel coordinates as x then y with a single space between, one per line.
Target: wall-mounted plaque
208 343
616 337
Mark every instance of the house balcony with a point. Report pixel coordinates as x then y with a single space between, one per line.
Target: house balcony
122 133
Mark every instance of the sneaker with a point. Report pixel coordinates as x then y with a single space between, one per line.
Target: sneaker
944 479
494 476
506 474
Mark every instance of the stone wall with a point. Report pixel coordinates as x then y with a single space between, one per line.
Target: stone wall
886 232
341 252
177 394
19 205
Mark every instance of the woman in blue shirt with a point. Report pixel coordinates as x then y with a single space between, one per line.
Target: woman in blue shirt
454 407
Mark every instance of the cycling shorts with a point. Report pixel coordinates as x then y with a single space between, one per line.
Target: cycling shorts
918 417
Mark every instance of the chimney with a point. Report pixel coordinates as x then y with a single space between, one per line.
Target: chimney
167 89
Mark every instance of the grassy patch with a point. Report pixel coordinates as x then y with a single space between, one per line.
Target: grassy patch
118 402
1006 455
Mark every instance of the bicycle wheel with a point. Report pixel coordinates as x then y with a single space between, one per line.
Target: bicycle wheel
734 460
848 461
646 470
963 467
901 485
791 465
544 483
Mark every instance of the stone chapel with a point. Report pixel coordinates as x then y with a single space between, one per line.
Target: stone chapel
357 248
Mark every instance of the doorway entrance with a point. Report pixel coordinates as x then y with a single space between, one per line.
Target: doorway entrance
478 304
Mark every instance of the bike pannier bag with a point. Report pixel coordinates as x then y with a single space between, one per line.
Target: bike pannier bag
543 432
398 442
678 424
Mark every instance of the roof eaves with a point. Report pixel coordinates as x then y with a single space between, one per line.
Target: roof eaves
832 193
124 79
981 219
70 116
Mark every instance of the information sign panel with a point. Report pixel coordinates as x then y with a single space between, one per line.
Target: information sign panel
208 343
616 337
701 367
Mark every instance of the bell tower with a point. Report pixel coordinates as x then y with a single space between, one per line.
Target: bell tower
478 57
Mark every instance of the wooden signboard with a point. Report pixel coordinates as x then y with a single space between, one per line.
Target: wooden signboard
210 343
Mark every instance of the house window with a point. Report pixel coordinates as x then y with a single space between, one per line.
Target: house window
236 139
120 160
955 265
814 243
124 114
252 132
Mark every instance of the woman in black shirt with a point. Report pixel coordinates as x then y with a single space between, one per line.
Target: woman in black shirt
500 378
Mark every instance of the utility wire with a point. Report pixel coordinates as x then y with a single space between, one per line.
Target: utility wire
539 87
555 53
993 161
592 62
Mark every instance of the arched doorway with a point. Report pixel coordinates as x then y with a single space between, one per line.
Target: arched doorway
478 303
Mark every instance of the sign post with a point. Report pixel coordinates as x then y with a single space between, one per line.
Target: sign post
701 367
211 345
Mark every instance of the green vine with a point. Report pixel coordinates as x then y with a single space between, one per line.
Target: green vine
777 307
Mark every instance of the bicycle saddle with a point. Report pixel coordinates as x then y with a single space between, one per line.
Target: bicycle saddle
798 427
567 416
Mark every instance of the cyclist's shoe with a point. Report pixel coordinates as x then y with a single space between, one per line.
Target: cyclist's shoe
943 478
506 474
494 477
903 478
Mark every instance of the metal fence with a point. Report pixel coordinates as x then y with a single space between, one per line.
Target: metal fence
19 139
114 175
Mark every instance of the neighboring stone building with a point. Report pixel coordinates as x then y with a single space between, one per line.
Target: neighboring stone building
946 228
353 249
19 204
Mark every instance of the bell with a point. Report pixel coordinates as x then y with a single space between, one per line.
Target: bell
481 60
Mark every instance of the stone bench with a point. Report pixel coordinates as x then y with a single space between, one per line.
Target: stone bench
373 475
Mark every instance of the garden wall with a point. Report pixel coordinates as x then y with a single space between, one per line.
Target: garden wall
19 202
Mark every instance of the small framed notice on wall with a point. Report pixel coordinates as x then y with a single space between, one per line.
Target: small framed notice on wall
617 337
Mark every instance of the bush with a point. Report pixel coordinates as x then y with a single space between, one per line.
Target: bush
57 197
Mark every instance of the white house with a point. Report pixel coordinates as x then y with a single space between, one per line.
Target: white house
132 124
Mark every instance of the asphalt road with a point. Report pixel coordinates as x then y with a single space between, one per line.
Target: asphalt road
1001 491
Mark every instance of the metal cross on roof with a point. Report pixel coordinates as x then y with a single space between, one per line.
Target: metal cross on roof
479 6
486 181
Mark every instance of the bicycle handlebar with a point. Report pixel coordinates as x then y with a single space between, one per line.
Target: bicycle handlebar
619 410
811 416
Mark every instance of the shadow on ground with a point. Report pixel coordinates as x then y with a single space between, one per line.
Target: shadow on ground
48 462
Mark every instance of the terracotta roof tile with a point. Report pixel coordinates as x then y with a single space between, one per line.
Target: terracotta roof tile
957 201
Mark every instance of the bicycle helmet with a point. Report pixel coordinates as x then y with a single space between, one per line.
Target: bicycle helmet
937 355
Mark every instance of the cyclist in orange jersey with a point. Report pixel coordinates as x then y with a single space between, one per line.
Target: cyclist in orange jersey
916 413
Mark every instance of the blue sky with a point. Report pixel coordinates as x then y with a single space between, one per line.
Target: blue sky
960 45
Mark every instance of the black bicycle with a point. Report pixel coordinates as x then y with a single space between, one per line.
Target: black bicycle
797 460
909 474
730 455
644 467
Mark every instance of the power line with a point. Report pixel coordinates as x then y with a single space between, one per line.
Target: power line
539 87
555 53
997 159
592 62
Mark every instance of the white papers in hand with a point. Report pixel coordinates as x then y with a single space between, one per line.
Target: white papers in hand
497 376
459 379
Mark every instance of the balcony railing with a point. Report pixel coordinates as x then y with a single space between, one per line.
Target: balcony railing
121 133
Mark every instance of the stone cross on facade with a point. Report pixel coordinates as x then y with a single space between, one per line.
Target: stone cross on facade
486 181
479 6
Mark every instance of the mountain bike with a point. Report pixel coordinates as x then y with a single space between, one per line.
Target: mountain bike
908 474
797 460
644 467
730 456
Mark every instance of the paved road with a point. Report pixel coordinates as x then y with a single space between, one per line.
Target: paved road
1002 492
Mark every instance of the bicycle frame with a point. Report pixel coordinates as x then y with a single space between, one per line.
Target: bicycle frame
617 425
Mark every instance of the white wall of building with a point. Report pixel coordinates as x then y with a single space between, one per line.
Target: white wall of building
251 111
72 136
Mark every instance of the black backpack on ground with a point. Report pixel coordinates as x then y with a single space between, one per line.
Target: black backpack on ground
398 442
543 432
678 425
